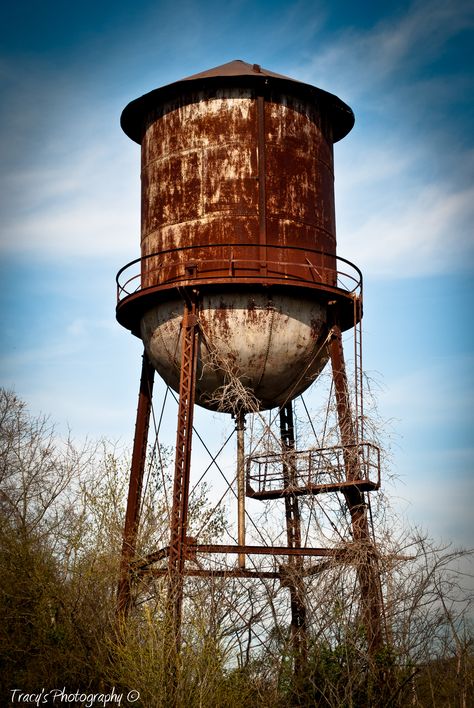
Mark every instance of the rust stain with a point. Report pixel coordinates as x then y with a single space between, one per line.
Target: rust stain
317 325
238 193
200 186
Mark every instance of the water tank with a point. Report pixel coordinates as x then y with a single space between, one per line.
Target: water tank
238 213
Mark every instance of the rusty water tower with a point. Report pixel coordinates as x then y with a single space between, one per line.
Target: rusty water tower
239 276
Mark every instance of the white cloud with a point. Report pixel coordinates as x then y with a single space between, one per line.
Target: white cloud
85 205
403 177
70 178
438 394
426 232
434 455
82 199
358 61
441 505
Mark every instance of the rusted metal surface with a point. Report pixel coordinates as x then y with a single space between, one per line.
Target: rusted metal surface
237 168
237 189
367 570
349 553
179 512
315 271
265 550
238 210
294 569
207 573
160 276
239 75
200 176
262 184
240 428
314 471
194 548
135 485
287 432
272 343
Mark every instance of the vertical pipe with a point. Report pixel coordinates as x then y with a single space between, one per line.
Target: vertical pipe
135 485
262 186
240 427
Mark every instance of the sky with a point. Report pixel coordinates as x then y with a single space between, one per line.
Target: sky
70 210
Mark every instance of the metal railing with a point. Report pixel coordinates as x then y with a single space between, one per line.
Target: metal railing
313 468
229 261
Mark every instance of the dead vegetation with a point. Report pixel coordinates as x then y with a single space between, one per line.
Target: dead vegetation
62 511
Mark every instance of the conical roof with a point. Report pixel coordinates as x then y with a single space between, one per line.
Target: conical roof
236 73
237 67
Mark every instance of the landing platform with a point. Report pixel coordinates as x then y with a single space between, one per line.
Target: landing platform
316 471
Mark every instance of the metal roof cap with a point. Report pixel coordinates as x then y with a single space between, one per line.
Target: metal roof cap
241 74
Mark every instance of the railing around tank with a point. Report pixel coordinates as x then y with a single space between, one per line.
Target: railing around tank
229 262
312 471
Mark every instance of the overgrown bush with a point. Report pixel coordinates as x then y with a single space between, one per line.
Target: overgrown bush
61 515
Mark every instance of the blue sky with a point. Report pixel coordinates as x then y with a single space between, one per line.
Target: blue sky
404 203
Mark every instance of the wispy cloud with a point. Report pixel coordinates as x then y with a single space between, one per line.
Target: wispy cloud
445 509
427 232
357 61
436 398
86 204
403 178
75 190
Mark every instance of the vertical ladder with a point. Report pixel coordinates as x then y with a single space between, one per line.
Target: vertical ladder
358 372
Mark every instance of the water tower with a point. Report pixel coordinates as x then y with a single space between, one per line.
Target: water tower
239 280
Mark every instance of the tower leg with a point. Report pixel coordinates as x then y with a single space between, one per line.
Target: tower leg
240 427
179 512
369 579
135 486
293 529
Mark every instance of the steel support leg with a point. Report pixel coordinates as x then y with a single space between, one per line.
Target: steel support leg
135 486
179 513
240 428
368 574
293 529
